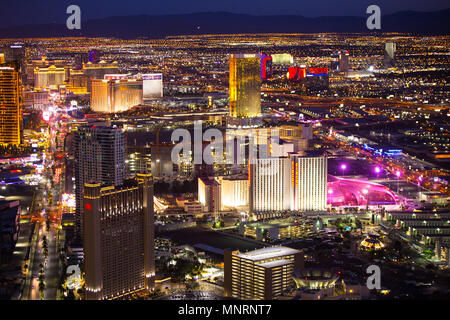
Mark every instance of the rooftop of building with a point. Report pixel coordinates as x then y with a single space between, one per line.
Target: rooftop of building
273 224
8 217
235 177
210 182
273 264
267 253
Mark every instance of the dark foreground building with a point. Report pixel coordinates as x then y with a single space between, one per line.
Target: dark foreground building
119 257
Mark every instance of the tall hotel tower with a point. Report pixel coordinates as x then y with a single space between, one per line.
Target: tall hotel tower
99 158
389 54
10 104
269 185
119 254
245 85
294 183
115 95
309 183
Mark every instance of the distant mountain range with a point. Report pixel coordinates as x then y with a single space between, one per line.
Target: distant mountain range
424 23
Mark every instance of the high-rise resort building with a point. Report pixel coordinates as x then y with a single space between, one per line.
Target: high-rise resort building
98 70
119 254
261 274
234 192
309 183
10 104
209 194
292 183
152 85
245 85
49 77
389 54
340 61
270 185
115 95
99 158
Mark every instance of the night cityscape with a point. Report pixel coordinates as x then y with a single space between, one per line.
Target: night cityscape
220 159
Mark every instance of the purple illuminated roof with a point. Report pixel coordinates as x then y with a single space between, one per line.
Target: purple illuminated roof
349 192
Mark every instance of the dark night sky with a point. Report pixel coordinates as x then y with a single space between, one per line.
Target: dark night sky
20 12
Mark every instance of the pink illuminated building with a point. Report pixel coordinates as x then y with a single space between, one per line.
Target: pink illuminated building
348 192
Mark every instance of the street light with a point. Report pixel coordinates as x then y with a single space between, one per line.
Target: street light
420 179
377 171
343 168
398 174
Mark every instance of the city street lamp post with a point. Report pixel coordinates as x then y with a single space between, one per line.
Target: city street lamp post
419 189
398 174
377 171
343 168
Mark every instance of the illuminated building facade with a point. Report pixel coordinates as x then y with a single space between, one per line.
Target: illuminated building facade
39 100
10 104
245 85
270 185
98 70
15 54
266 67
112 96
260 274
317 78
99 157
209 194
340 61
297 183
152 85
119 254
298 135
276 229
296 73
78 82
282 58
353 193
389 54
41 64
162 165
234 192
308 183
49 77
139 160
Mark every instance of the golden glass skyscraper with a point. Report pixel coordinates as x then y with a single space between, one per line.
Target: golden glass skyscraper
245 85
10 104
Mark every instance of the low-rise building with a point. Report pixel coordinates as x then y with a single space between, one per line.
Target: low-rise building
261 274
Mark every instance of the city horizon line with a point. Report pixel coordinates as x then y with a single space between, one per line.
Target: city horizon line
163 26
